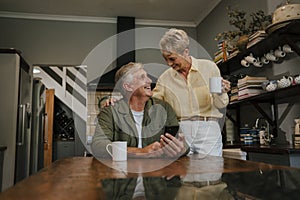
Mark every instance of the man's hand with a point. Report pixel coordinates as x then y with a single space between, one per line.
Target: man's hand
172 146
153 150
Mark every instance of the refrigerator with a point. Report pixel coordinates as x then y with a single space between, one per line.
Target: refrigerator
15 116
38 126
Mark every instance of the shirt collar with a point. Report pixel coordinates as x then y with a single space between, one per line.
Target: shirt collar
193 68
123 106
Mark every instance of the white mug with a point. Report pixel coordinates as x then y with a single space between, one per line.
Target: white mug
119 150
264 60
271 57
258 63
250 59
279 53
245 63
215 84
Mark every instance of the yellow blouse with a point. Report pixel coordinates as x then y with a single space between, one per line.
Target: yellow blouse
191 97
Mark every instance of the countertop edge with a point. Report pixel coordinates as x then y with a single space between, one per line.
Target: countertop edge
272 149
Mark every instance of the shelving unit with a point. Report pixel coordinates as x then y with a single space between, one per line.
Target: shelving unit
64 126
274 98
289 34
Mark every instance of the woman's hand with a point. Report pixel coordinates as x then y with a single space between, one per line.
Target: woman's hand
109 102
172 146
226 86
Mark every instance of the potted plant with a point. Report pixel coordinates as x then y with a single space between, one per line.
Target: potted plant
245 26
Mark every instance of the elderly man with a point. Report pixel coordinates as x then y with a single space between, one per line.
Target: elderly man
138 118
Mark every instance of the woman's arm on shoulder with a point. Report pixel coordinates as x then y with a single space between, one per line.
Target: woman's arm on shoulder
103 133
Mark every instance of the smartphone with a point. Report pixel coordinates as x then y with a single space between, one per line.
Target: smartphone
173 130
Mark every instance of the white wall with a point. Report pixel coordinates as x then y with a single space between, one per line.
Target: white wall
69 43
53 42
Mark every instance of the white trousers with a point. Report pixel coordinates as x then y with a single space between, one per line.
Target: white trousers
203 137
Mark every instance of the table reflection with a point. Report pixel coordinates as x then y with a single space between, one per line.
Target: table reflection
259 184
264 184
155 188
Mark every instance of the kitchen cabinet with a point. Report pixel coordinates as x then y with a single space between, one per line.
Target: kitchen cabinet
63 149
288 34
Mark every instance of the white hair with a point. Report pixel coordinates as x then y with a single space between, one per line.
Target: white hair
125 74
174 40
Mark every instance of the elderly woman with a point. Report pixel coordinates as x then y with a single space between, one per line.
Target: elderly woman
185 87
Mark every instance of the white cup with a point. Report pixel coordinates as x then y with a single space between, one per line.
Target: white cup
258 64
250 59
279 53
245 63
215 84
271 57
119 150
264 60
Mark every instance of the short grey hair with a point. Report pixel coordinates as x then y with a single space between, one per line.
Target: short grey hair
125 75
174 40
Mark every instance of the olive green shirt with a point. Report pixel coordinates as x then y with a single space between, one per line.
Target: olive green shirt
191 97
116 123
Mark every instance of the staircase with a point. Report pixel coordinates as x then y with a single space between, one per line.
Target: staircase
70 84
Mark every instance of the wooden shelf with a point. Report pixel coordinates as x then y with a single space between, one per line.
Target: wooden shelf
279 94
275 97
290 34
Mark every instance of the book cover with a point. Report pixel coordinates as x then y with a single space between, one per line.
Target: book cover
250 91
260 33
246 78
246 96
254 41
252 80
249 85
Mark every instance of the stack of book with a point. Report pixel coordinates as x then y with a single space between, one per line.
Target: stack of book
234 93
250 86
221 54
225 52
249 136
256 37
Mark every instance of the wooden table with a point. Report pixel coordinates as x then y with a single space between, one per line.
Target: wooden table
80 177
